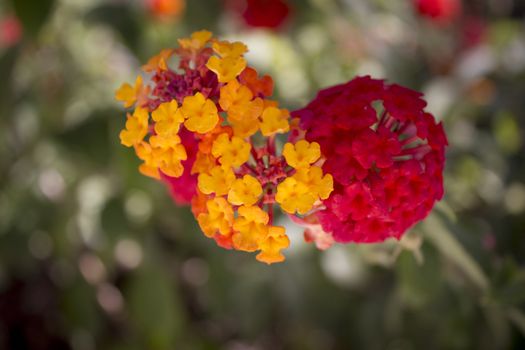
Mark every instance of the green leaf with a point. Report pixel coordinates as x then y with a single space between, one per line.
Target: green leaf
155 307
419 283
444 240
7 63
518 319
113 219
121 18
89 140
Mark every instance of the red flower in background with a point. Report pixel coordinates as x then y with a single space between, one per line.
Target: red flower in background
386 155
166 9
474 31
10 31
261 13
439 11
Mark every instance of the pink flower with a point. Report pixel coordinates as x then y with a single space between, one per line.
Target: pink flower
386 155
439 11
10 31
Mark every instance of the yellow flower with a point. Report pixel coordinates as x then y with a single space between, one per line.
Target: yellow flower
302 154
200 112
236 99
150 171
219 217
228 49
219 181
206 141
130 94
313 179
227 68
168 118
234 152
170 160
271 246
245 128
197 40
161 153
136 127
250 228
234 94
294 196
245 191
167 153
158 61
163 141
148 168
275 120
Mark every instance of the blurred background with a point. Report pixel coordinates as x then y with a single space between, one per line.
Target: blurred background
95 256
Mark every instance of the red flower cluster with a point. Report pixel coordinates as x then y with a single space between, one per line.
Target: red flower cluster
439 11
386 155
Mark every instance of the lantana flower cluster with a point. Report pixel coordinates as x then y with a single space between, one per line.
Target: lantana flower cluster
205 125
210 127
386 155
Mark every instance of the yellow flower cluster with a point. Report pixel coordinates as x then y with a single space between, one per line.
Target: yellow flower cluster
238 180
163 150
233 206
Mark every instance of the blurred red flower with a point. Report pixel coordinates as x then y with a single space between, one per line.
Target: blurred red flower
166 9
10 31
439 11
473 31
261 13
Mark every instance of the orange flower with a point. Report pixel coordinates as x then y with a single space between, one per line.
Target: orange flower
196 41
259 86
227 49
271 246
131 94
207 140
250 228
201 113
245 191
227 68
166 9
245 128
275 120
302 154
204 162
136 128
219 217
219 181
236 99
231 152
158 62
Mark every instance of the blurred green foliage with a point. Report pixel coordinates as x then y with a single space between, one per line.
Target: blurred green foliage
95 256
